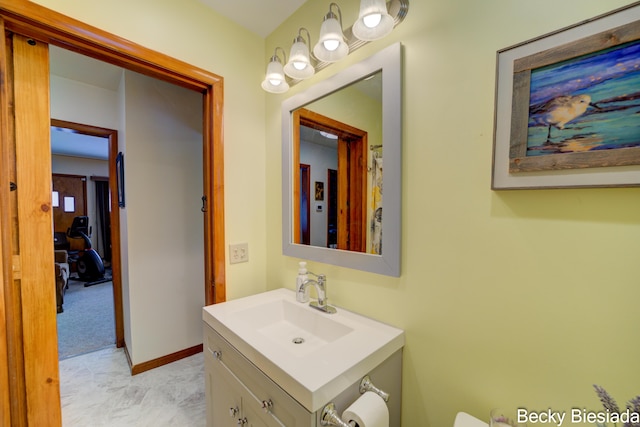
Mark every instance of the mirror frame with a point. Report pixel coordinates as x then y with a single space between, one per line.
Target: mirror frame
389 61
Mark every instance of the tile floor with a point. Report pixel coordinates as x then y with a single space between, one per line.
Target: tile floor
97 389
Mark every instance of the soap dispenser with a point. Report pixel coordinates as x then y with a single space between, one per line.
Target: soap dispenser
302 295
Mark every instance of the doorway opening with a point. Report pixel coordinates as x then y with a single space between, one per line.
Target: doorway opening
88 318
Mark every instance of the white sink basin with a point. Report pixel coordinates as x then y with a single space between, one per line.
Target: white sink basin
311 354
289 325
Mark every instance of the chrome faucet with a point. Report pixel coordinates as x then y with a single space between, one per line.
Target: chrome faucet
319 284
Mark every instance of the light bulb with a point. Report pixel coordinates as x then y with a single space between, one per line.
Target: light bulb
372 21
331 45
299 66
275 82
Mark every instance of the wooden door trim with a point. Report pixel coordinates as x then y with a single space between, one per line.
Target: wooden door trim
114 217
33 20
8 401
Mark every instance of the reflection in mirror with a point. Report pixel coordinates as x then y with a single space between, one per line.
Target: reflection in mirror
339 145
333 138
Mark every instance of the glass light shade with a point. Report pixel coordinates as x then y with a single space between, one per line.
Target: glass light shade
374 22
275 81
331 46
299 65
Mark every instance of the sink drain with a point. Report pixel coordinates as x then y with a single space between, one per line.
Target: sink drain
297 340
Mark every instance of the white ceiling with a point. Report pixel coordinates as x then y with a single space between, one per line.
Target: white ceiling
67 143
259 16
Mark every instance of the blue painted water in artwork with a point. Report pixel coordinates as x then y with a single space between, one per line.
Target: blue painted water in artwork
587 103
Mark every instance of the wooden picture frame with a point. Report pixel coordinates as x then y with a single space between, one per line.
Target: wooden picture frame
319 190
568 107
120 178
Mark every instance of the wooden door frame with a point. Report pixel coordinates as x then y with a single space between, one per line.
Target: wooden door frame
305 177
114 217
43 24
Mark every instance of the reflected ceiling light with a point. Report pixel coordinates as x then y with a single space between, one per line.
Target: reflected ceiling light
275 81
299 65
328 135
374 22
331 46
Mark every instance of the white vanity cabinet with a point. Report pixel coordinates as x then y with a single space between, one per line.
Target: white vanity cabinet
273 362
239 394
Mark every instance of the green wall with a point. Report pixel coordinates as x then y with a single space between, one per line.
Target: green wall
513 298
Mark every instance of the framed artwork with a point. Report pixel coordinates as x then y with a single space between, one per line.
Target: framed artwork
319 190
568 107
120 178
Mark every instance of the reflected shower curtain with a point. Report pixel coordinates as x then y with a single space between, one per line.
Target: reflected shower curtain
376 201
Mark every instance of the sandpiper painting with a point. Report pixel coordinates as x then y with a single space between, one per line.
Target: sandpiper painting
587 103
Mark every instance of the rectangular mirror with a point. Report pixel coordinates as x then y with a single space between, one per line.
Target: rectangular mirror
337 135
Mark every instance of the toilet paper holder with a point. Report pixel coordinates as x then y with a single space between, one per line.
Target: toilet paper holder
366 385
330 416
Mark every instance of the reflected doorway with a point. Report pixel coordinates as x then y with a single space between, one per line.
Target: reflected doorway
342 223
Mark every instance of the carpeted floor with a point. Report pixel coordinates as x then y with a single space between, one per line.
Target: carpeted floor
87 323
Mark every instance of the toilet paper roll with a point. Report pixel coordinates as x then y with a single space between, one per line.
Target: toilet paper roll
369 410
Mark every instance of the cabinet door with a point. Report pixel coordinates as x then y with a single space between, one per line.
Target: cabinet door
254 419
224 406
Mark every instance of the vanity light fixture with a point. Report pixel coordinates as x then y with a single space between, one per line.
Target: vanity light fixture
374 21
299 65
331 46
275 81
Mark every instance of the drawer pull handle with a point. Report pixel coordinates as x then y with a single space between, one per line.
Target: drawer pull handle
217 354
242 421
267 405
233 412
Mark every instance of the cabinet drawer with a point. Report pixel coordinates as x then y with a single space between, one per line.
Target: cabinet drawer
262 397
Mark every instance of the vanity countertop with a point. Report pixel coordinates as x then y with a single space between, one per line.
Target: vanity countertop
312 355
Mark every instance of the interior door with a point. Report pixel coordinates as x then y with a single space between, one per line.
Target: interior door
32 339
7 176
